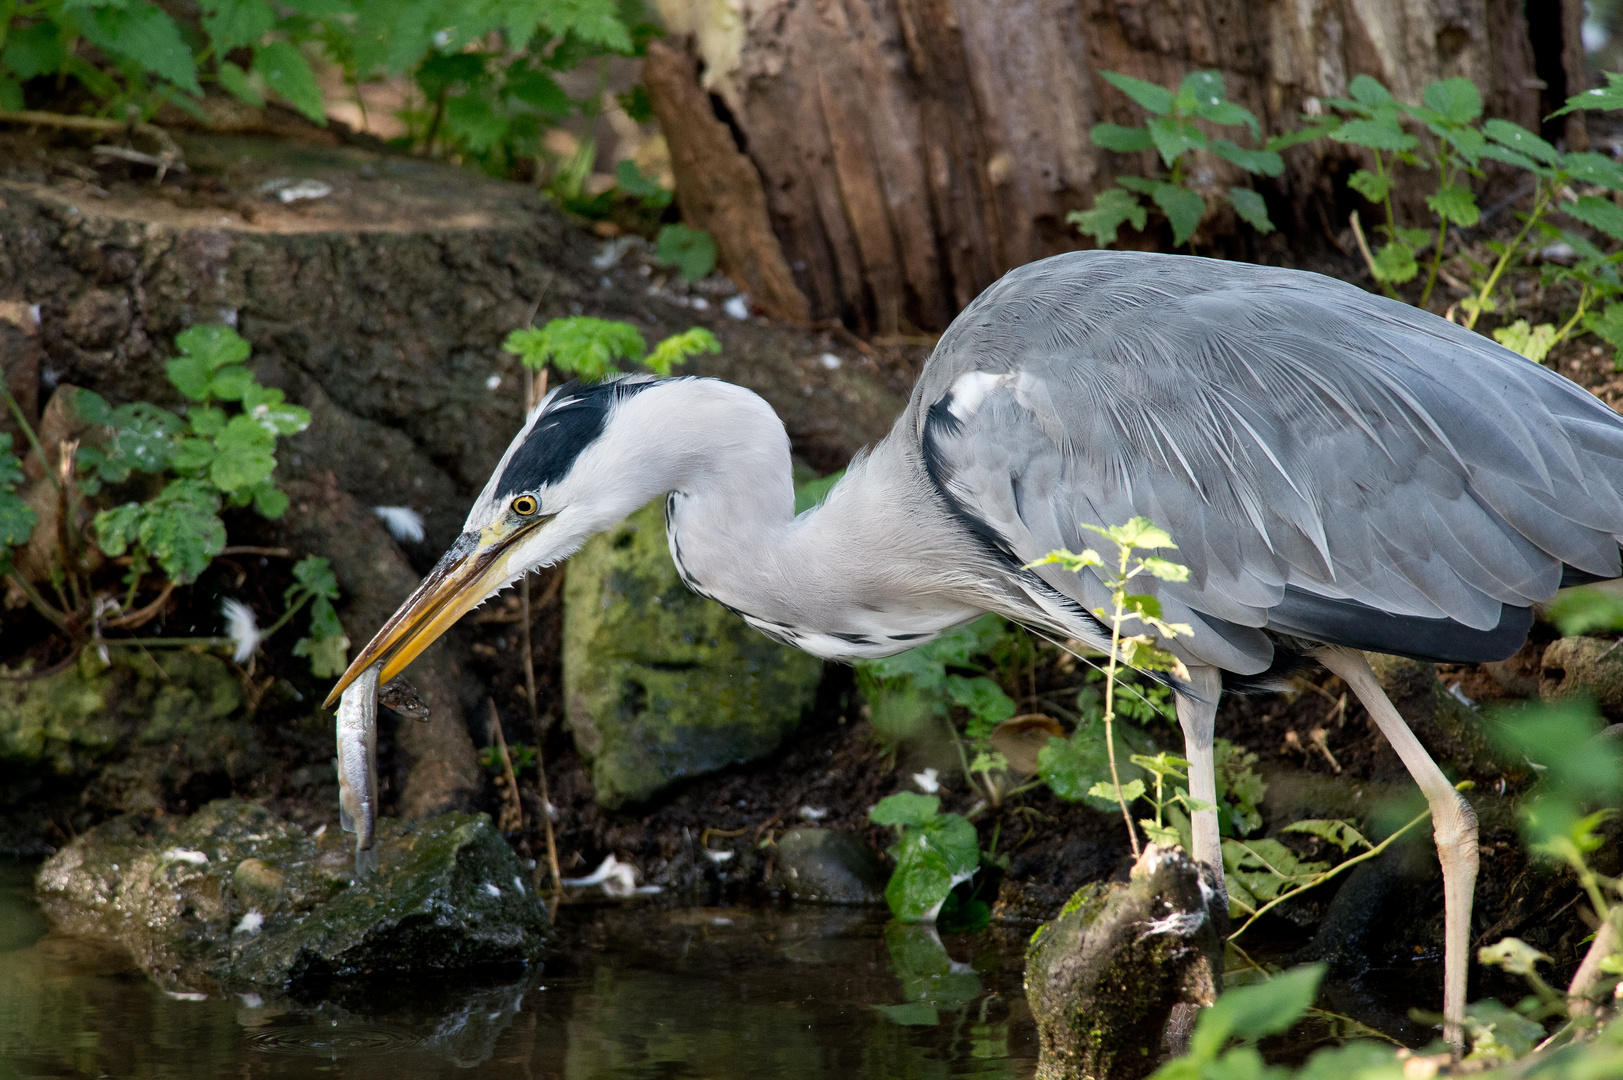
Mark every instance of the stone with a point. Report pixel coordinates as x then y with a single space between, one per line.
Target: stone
660 683
1585 666
828 866
235 898
1104 979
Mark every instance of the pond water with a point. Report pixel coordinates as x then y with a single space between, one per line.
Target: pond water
633 992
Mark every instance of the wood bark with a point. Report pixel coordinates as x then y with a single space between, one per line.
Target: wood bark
911 151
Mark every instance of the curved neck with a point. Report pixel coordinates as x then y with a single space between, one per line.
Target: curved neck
874 570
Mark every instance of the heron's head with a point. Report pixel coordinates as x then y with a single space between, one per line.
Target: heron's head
579 465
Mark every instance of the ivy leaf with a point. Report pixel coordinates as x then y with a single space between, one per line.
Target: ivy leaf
244 455
1456 99
1112 208
1123 140
1251 208
286 71
905 808
692 251
678 347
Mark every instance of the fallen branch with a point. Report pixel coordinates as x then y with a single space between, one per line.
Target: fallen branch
169 157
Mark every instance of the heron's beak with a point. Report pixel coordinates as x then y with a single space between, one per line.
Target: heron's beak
476 566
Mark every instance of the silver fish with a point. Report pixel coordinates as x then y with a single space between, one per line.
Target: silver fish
358 766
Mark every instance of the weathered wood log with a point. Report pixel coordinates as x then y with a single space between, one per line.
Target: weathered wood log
913 150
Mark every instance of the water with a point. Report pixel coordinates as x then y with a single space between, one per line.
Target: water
634 993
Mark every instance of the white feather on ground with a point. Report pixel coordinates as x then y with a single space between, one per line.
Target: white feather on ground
403 523
241 627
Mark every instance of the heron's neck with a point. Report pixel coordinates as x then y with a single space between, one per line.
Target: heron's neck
858 576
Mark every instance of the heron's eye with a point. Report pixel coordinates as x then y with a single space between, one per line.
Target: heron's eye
525 505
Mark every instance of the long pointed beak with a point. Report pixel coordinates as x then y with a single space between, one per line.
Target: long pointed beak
475 567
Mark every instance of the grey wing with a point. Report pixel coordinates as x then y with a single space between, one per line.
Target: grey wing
1332 465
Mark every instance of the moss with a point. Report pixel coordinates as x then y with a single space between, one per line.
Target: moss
663 684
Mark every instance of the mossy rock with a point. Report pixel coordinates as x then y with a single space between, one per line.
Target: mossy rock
234 897
661 683
146 721
1584 667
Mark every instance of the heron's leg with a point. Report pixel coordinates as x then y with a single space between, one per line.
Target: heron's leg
1453 824
1197 714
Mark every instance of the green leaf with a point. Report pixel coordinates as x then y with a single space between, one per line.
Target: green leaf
230 383
1593 169
1372 186
214 344
143 34
35 50
1561 738
286 71
235 82
1253 1012
1376 134
1111 208
1455 204
1183 208
1138 532
1602 214
1156 99
1340 833
145 437
1609 96
1317 128
541 91
1500 1035
579 345
1456 99
328 656
1173 138
265 406
595 22
1577 612
1609 325
678 347
905 808
1395 262
313 574
179 528
11 93
1368 91
1123 140
231 24
632 181
1495 152
244 455
270 502
192 456
1533 342
692 251
1107 791
1165 569
1261 162
989 706
1517 138
929 862
16 517
472 119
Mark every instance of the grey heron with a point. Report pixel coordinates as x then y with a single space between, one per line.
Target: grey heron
1340 472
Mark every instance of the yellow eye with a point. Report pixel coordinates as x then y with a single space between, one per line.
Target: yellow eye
525 505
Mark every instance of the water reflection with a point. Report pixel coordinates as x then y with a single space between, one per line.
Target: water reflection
715 993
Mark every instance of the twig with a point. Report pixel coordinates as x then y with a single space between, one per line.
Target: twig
172 156
249 549
532 396
513 813
38 602
144 615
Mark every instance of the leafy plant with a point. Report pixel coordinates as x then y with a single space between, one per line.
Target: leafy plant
692 251
590 348
176 472
1247 1014
1173 132
1142 649
933 853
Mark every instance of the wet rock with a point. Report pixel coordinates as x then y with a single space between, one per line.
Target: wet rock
828 866
661 683
1584 666
235 897
1105 977
1450 729
147 724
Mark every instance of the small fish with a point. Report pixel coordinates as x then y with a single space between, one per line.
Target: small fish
358 766
403 698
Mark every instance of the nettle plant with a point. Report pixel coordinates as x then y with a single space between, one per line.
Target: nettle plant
168 476
1174 131
590 348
